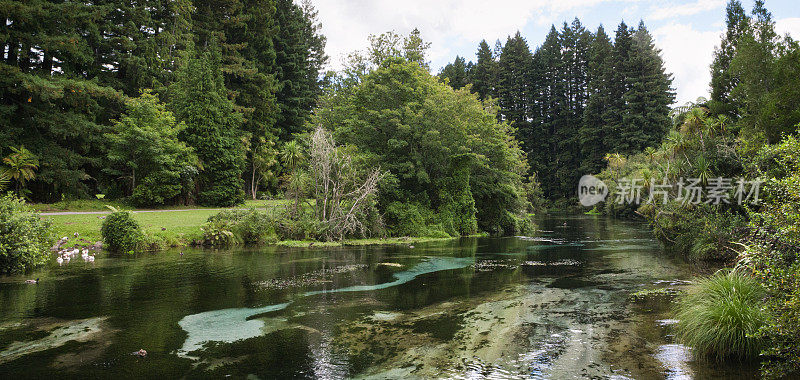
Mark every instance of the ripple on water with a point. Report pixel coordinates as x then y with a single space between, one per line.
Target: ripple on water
675 358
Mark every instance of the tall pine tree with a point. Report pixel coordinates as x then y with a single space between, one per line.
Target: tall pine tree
592 141
484 74
618 87
201 101
722 79
456 73
513 77
648 95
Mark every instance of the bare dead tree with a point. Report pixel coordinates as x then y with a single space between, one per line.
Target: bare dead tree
342 191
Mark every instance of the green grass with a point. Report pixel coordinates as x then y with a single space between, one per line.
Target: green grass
720 315
176 224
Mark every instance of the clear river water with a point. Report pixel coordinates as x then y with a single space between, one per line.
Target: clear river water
555 305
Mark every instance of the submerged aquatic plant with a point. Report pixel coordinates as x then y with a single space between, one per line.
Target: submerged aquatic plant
720 316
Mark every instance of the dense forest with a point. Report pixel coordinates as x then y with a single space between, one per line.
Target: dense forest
576 98
207 102
221 82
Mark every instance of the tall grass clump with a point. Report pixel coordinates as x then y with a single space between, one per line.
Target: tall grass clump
720 316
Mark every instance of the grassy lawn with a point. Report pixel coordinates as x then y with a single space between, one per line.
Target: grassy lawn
176 224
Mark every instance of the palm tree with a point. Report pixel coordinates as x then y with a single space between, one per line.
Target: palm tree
695 124
651 153
703 169
292 156
5 180
717 124
615 163
21 166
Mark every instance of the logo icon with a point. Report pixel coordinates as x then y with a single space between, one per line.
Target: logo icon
591 190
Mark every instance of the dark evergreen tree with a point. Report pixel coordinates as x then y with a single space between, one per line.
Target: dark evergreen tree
551 97
212 128
572 75
294 70
513 76
484 74
592 141
615 108
722 79
48 102
648 95
456 73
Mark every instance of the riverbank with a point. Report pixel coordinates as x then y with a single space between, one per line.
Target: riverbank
179 226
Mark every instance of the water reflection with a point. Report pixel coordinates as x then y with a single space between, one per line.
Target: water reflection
553 305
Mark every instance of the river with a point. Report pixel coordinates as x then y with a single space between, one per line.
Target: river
559 304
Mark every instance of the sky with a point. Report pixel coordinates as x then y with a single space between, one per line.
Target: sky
686 31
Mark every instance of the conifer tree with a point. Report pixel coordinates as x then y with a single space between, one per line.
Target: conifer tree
572 77
456 73
647 97
296 95
615 108
551 91
513 75
722 79
484 74
592 141
212 129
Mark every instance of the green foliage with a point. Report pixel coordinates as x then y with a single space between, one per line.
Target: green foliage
772 253
701 232
121 233
720 316
70 67
212 129
442 150
576 98
410 219
723 79
767 69
145 152
301 226
699 147
24 237
239 227
457 73
20 166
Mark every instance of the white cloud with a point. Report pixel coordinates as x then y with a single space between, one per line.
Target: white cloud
670 11
789 26
347 23
687 54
